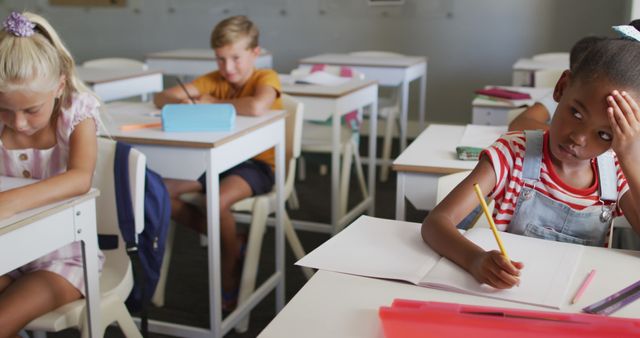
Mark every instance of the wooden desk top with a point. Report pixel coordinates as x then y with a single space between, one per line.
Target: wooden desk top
30 216
321 91
434 152
94 76
119 113
367 61
204 54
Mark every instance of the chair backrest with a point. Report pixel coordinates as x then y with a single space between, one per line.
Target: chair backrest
551 57
446 183
295 110
122 63
546 77
117 261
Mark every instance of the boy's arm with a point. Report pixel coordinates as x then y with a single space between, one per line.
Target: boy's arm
534 117
176 94
440 232
75 181
254 105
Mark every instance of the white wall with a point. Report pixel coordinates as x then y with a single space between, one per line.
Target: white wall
469 43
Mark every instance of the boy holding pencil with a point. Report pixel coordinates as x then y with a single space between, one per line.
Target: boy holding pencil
252 92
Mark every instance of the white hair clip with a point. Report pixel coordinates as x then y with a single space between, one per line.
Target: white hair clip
627 32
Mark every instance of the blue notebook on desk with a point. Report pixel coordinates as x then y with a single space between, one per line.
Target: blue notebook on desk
198 117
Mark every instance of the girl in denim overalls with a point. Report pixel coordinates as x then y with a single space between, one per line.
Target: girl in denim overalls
564 184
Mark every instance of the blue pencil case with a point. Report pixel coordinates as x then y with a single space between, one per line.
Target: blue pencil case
198 117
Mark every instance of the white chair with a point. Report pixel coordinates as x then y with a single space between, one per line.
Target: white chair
116 280
446 183
317 138
118 63
546 77
388 110
551 57
260 207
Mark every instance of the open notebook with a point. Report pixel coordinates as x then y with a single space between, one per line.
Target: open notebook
391 249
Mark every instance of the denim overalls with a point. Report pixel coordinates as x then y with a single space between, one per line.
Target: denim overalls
537 215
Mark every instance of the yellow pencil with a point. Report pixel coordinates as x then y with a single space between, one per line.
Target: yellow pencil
476 187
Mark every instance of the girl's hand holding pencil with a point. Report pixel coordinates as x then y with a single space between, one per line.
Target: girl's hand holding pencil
494 267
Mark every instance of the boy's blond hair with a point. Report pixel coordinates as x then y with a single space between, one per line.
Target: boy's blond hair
233 29
36 62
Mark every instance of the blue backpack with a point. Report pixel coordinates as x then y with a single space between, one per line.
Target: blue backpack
146 255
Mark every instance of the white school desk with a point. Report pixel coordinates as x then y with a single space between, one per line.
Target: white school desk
186 155
333 304
524 69
324 102
194 62
116 84
34 233
431 155
388 71
496 112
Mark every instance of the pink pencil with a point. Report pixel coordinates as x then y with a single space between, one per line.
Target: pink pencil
584 286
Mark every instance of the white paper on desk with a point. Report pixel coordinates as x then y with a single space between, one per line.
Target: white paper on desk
480 136
322 78
391 249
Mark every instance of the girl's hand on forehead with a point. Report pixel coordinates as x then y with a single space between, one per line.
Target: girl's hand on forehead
624 117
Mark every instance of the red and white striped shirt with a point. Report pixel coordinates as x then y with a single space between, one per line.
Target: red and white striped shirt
507 155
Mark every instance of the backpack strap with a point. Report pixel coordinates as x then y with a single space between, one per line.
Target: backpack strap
126 221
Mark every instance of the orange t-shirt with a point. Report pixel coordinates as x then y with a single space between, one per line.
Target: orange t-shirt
215 85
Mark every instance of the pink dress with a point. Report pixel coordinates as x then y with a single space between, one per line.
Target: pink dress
44 163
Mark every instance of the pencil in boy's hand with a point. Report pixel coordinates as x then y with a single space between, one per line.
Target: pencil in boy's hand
185 90
483 204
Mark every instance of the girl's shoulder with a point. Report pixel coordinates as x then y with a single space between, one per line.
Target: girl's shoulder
83 105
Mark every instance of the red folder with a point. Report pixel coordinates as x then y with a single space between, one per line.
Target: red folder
503 93
409 319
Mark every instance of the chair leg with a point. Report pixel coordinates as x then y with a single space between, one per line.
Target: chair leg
125 322
302 168
360 172
260 213
345 178
386 146
159 294
293 202
294 243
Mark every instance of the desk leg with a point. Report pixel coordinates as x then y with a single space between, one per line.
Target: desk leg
373 128
86 232
279 228
213 247
404 115
423 99
400 196
336 144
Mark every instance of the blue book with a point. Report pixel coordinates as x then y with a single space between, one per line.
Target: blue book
198 117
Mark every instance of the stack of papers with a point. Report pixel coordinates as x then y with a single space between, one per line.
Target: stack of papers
322 78
391 249
476 138
198 117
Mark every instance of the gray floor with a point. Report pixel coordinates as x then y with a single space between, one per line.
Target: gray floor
187 288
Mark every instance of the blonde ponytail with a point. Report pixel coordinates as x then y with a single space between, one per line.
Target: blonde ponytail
40 58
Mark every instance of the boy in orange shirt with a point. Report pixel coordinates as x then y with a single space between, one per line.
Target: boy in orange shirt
252 92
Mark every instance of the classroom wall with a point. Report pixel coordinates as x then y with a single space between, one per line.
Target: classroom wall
469 43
